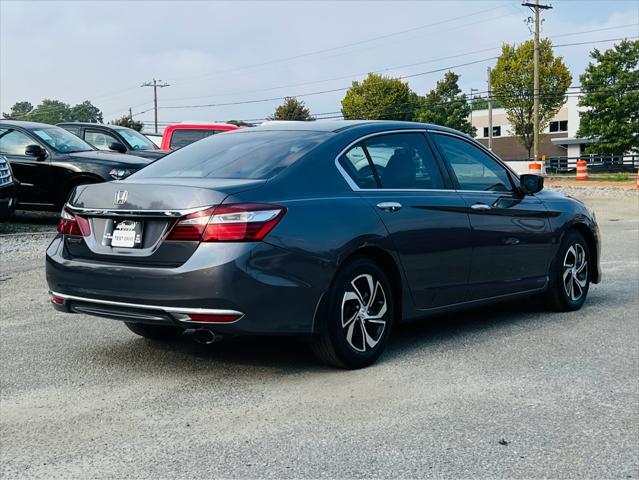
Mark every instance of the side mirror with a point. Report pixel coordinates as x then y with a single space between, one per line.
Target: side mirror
35 151
117 147
531 183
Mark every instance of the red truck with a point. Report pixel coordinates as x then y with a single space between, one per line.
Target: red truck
183 134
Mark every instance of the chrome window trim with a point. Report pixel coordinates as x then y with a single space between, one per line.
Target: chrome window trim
356 188
98 212
178 310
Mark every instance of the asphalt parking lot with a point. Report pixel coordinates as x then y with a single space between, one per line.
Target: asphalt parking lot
501 392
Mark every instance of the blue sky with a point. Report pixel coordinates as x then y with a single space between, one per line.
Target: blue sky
240 52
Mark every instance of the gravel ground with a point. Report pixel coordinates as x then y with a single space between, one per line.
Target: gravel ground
501 392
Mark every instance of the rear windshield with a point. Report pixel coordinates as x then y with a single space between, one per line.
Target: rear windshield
248 154
181 138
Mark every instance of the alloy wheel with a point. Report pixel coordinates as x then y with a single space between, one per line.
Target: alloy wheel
575 276
364 312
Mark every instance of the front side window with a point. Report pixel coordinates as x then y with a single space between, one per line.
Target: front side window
404 161
61 140
14 142
136 140
245 155
474 169
100 140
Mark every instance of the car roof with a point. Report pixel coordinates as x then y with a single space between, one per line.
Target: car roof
343 125
201 126
89 124
24 124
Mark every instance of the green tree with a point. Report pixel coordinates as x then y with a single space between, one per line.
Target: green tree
481 103
127 121
512 83
292 109
446 105
379 98
611 91
55 111
19 111
51 111
240 123
86 112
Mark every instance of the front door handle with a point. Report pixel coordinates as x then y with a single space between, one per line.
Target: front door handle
480 207
389 206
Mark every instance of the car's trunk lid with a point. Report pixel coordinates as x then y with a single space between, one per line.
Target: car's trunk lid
150 208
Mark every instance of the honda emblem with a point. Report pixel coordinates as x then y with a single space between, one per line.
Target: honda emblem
121 196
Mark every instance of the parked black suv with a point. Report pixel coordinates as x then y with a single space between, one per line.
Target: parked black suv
116 138
7 188
49 162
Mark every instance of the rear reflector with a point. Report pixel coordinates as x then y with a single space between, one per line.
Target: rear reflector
245 222
57 300
206 318
73 225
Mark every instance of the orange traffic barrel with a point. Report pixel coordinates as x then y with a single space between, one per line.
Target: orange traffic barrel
534 168
582 170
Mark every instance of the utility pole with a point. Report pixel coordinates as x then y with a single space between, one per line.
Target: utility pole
471 103
490 111
130 114
536 8
155 84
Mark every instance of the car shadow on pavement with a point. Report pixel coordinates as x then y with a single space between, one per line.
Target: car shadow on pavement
287 355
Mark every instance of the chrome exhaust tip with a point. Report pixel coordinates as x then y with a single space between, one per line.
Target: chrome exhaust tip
203 336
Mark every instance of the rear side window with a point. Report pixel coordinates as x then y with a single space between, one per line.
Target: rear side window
246 154
474 169
182 138
357 167
73 129
404 161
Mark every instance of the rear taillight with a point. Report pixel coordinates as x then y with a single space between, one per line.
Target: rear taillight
73 225
191 227
245 222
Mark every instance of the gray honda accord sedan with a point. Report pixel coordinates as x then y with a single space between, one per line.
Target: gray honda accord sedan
335 231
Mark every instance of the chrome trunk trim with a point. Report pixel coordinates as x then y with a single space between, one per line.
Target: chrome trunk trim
99 212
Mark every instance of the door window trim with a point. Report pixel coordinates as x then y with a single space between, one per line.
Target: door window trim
356 188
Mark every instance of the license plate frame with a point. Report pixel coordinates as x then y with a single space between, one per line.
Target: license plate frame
125 233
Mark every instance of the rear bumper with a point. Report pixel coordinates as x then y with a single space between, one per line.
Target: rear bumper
272 290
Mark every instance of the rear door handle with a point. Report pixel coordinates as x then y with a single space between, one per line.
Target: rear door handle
480 207
389 206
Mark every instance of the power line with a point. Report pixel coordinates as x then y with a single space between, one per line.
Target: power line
321 92
379 70
346 45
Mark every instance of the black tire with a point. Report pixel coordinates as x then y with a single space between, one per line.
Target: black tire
569 295
155 332
359 342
